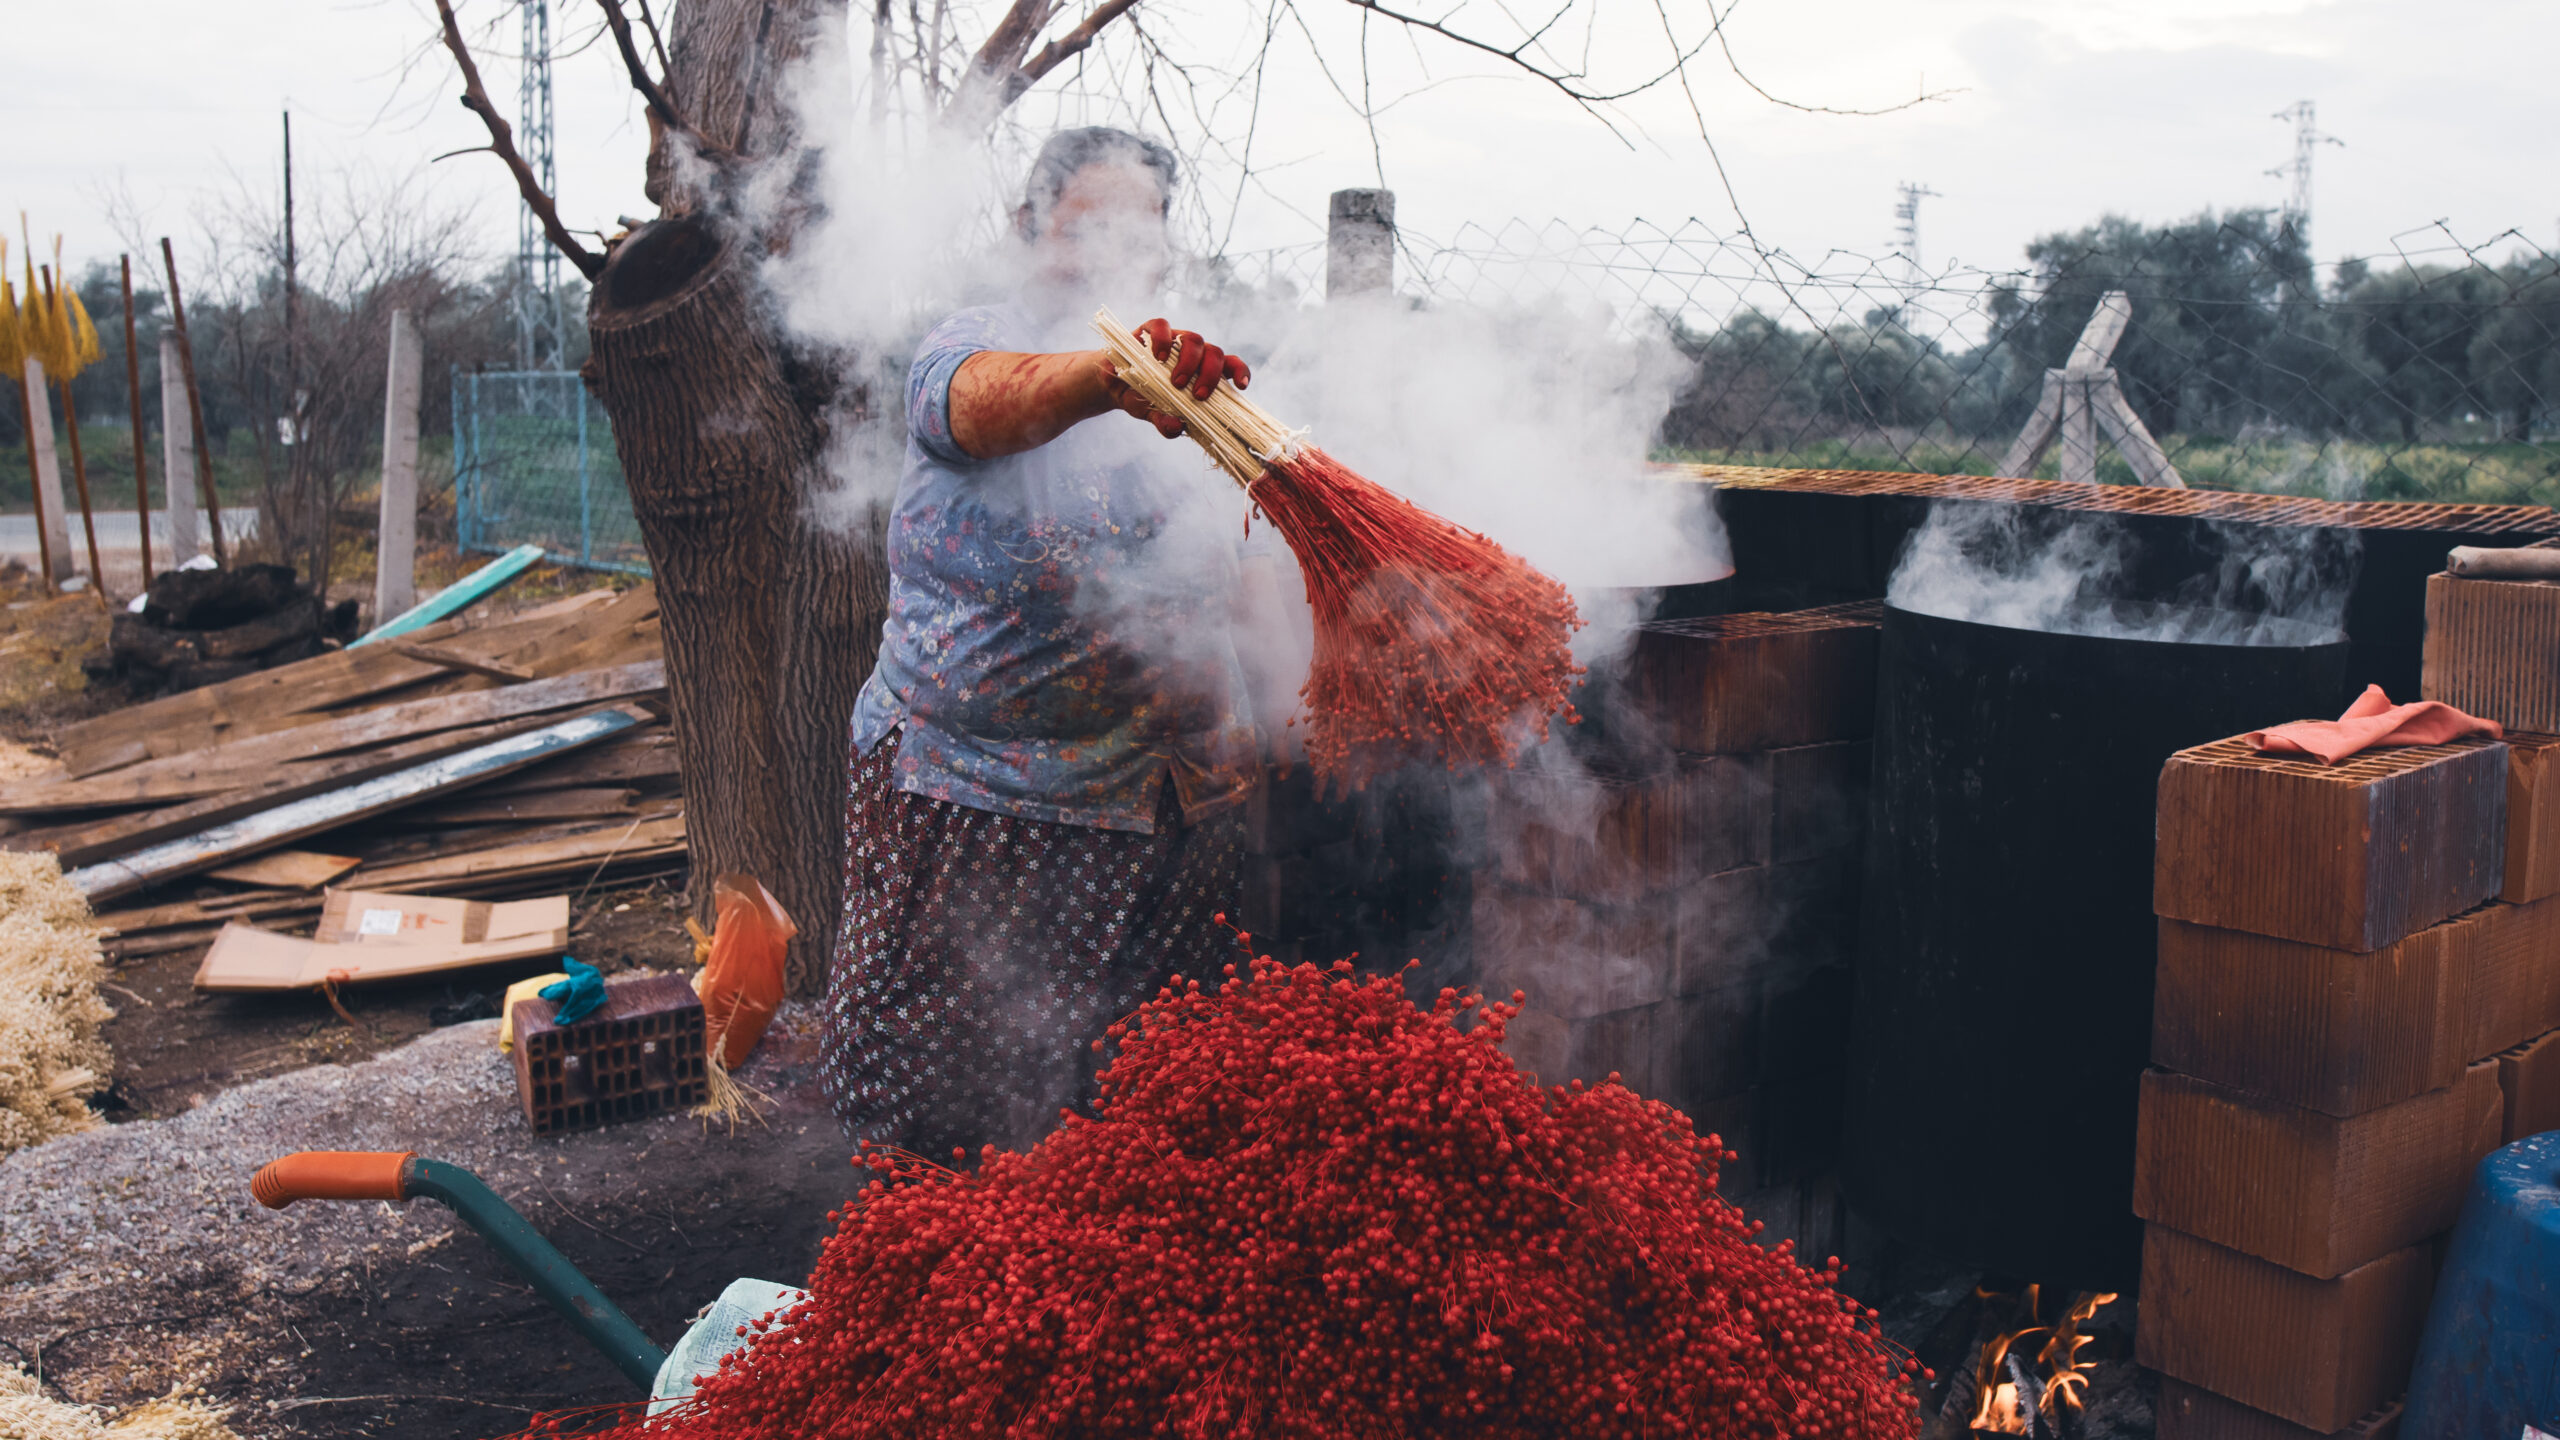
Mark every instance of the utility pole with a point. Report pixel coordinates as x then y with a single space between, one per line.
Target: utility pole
1906 230
2306 139
541 331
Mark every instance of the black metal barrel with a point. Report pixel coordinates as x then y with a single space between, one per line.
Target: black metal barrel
2003 1005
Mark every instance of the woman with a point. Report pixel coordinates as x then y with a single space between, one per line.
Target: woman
1043 807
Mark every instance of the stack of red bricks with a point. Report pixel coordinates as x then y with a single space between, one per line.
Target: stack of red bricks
1684 916
2351 956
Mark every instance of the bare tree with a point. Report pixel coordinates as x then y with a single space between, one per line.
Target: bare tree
372 244
723 417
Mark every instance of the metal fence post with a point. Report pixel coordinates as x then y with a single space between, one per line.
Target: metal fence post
466 538
586 500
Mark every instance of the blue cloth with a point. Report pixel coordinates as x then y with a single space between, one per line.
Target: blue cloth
578 996
1058 634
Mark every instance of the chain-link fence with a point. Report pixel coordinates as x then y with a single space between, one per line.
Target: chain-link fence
2432 372
2429 373
534 463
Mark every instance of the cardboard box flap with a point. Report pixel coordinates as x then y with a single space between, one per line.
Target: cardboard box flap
374 917
246 958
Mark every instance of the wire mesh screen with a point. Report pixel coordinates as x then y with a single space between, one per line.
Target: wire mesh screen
2431 372
2428 373
534 464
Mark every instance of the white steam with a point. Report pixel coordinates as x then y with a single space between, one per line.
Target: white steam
2079 573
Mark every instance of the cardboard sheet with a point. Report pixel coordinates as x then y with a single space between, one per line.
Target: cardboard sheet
369 935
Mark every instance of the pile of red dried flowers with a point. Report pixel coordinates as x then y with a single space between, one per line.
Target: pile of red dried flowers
1307 1208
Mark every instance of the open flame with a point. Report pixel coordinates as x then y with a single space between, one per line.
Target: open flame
2012 1396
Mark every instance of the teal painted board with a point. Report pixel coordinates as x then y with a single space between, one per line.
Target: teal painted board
468 590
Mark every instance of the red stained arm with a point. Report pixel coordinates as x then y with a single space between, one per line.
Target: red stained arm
1004 402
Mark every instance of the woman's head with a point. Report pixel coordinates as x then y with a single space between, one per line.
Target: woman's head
1094 210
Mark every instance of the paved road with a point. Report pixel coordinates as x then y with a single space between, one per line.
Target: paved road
116 530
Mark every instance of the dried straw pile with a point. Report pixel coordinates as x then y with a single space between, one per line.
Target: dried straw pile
26 1415
50 1051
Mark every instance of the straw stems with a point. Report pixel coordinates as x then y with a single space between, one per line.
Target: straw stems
1239 435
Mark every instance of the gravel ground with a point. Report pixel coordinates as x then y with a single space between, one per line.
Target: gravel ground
132 1258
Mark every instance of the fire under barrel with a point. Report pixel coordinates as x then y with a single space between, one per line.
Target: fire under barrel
2002 1016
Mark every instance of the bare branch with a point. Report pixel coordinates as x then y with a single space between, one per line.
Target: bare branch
1065 47
1517 55
657 42
1011 39
1725 43
502 142
659 103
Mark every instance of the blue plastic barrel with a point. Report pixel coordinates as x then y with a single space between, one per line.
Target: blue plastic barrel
2489 1364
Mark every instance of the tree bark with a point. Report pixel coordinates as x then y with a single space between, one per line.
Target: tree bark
722 423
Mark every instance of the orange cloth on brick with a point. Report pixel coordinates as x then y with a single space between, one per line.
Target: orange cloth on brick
2373 720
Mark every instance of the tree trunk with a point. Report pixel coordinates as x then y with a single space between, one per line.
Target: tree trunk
721 421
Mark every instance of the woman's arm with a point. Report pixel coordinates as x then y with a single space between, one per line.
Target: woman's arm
1005 402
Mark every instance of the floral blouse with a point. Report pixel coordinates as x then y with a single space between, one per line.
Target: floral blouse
1058 638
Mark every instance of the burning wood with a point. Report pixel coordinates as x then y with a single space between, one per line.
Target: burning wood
2009 1395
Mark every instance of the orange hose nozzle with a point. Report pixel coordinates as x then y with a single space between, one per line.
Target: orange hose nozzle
330 1175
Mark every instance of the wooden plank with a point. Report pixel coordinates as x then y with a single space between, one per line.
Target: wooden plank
646 757
575 646
467 591
90 839
288 869
201 914
483 809
647 839
312 814
216 713
164 942
227 767
451 660
296 694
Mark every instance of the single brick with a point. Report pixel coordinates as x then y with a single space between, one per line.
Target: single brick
2191 1412
2313 1192
2320 1353
2341 1031
2352 856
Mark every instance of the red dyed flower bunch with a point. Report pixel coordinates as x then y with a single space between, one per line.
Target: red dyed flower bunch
1309 1209
1433 644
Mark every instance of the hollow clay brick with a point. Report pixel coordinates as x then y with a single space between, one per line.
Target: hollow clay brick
2320 1353
2353 856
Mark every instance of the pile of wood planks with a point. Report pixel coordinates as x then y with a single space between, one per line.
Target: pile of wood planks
488 758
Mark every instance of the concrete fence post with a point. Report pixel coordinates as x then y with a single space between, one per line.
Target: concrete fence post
1360 244
177 456
52 521
395 553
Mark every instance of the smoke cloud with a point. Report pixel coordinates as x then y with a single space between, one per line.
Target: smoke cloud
2078 573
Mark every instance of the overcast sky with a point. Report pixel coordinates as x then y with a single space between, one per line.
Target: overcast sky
2053 111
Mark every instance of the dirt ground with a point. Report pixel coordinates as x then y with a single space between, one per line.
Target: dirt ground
174 1047
132 1259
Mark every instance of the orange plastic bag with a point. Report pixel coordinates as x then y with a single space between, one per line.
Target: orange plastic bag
741 982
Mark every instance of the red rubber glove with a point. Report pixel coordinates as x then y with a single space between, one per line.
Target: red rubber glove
1198 366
